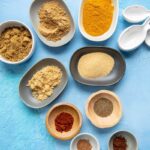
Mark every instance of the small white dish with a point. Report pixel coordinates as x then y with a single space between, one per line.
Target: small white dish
130 138
111 30
91 138
15 23
34 11
136 13
132 37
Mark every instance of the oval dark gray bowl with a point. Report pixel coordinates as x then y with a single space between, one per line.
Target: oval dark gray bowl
115 75
25 92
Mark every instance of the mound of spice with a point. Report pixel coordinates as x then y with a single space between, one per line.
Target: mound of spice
103 107
64 122
54 21
15 43
94 65
119 143
44 81
84 144
97 16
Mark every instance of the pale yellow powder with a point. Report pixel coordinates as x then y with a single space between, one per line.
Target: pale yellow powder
95 65
44 81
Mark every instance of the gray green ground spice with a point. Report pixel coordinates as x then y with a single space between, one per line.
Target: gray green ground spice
103 107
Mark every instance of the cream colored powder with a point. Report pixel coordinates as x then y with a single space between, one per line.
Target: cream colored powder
54 21
95 65
44 81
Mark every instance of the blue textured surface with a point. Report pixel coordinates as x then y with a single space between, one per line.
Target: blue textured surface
22 128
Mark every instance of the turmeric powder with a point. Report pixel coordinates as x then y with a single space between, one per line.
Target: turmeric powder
97 16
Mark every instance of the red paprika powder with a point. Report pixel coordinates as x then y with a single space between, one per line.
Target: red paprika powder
64 122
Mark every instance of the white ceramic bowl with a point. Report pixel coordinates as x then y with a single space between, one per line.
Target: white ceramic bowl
15 23
111 30
92 139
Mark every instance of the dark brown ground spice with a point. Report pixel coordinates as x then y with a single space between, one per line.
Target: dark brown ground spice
64 122
119 143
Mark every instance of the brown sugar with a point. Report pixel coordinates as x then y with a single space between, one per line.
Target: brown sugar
15 43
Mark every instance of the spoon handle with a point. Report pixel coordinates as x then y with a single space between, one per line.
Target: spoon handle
147 24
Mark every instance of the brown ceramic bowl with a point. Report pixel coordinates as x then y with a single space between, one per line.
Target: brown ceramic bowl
56 110
113 118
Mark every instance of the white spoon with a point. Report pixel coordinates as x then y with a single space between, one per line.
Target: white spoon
134 36
147 40
136 13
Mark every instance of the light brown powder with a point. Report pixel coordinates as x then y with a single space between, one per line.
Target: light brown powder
54 21
15 43
84 144
44 81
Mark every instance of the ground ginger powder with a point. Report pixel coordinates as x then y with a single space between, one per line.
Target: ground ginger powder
55 23
44 81
97 16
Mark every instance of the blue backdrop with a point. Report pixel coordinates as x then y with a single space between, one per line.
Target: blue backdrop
22 128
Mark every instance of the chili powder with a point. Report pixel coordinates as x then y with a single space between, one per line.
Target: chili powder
64 122
119 143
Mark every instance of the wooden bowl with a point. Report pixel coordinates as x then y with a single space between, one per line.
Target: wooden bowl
54 112
113 118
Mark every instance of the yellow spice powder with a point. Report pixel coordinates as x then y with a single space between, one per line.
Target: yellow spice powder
97 16
44 81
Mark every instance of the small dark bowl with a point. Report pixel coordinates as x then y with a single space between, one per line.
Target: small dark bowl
115 76
25 92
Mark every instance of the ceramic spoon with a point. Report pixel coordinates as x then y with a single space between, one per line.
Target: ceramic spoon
136 13
147 40
134 36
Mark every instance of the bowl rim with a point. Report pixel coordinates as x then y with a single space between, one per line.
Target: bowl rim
92 84
128 132
98 38
124 49
39 35
22 99
33 42
116 99
86 134
128 20
58 105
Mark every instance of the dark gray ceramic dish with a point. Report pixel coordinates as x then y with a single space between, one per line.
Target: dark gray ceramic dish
115 75
25 92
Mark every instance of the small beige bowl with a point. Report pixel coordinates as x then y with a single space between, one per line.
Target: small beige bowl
104 122
56 110
15 23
